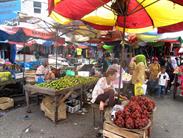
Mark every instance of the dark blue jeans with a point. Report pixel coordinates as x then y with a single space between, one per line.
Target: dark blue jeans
161 90
152 86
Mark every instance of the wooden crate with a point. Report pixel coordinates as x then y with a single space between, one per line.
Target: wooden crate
110 130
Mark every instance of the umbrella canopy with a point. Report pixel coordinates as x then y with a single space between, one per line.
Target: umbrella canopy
3 36
171 28
19 36
178 1
28 31
147 37
141 15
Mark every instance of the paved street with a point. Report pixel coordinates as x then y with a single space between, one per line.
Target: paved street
168 123
168 119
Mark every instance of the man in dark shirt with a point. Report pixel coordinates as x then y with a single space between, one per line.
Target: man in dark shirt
169 70
106 62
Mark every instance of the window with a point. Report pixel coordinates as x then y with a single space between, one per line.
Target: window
37 7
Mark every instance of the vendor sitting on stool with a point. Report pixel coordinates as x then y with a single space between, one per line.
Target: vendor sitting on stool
43 73
103 93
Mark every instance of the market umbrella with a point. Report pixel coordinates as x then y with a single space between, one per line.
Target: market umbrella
127 15
19 36
3 36
141 15
178 1
171 28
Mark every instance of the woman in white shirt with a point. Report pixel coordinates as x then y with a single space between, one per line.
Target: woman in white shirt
104 91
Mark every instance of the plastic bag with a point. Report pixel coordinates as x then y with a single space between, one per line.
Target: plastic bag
70 73
140 89
115 109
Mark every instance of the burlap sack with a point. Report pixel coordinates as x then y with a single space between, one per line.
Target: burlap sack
6 102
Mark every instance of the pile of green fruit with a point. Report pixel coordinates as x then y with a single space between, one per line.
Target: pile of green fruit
66 82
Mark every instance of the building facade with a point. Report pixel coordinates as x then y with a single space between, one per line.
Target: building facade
8 10
36 8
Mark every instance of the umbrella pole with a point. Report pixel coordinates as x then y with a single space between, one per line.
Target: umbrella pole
24 64
23 69
122 55
56 57
56 48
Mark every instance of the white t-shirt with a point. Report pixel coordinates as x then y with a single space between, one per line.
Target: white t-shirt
174 62
163 78
43 70
99 88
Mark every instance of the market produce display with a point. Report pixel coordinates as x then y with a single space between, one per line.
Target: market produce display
5 76
136 113
67 81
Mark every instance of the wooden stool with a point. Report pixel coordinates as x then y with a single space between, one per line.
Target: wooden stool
94 108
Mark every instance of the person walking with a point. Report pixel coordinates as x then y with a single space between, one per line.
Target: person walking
163 79
169 70
154 69
106 62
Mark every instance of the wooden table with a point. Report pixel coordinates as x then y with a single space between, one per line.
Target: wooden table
56 94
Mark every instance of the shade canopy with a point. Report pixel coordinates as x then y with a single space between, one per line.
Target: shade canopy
141 15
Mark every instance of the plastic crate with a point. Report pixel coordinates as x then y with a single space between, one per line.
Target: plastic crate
18 75
73 106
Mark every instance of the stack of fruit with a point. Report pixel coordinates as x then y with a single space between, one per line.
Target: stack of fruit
66 82
136 114
5 76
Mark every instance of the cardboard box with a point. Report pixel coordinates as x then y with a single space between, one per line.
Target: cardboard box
47 106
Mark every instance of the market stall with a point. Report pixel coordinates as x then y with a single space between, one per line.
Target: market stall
178 82
60 90
11 76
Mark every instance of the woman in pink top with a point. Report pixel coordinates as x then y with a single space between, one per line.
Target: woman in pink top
103 93
116 66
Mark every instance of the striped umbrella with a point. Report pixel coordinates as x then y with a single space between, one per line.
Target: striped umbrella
140 15
135 16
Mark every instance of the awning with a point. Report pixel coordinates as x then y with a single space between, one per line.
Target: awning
19 36
89 44
32 32
3 36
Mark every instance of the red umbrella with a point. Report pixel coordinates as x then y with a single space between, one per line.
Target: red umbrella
171 28
126 15
178 1
141 15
